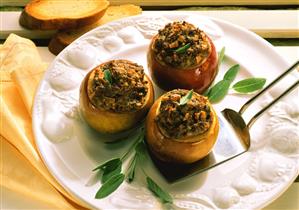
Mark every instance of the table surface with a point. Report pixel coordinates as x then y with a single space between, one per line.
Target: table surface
266 27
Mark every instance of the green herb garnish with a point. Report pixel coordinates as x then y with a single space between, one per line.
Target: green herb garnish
221 55
108 76
164 196
140 152
110 164
131 169
110 185
139 138
112 177
218 91
111 171
249 85
183 49
231 73
140 149
113 167
186 98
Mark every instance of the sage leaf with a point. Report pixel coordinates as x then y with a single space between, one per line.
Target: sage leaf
206 93
136 141
183 49
111 171
249 85
164 196
221 55
108 76
186 97
218 91
131 169
231 73
141 150
109 164
110 186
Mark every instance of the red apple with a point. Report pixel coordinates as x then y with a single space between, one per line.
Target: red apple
198 77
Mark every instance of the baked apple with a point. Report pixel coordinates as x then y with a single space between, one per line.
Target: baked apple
181 127
182 56
115 96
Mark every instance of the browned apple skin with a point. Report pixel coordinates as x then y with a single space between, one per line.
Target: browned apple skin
181 151
198 78
109 122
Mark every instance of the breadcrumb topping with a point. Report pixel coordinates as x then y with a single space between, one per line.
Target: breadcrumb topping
178 121
118 85
181 44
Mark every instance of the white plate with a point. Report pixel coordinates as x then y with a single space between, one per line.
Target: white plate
70 149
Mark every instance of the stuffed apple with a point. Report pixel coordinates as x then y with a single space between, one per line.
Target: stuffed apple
182 56
115 96
181 127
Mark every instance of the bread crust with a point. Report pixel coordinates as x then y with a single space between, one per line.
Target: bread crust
30 20
56 44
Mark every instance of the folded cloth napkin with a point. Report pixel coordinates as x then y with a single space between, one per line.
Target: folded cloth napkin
22 168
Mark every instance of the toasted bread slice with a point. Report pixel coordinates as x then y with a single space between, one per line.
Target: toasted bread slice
65 37
62 14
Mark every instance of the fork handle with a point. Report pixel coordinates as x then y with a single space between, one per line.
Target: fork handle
257 115
250 101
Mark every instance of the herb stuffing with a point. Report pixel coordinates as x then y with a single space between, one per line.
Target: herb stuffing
177 120
118 85
181 44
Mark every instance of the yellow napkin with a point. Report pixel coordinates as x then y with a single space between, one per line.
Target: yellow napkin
21 168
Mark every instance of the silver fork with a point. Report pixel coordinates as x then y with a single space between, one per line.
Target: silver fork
235 118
